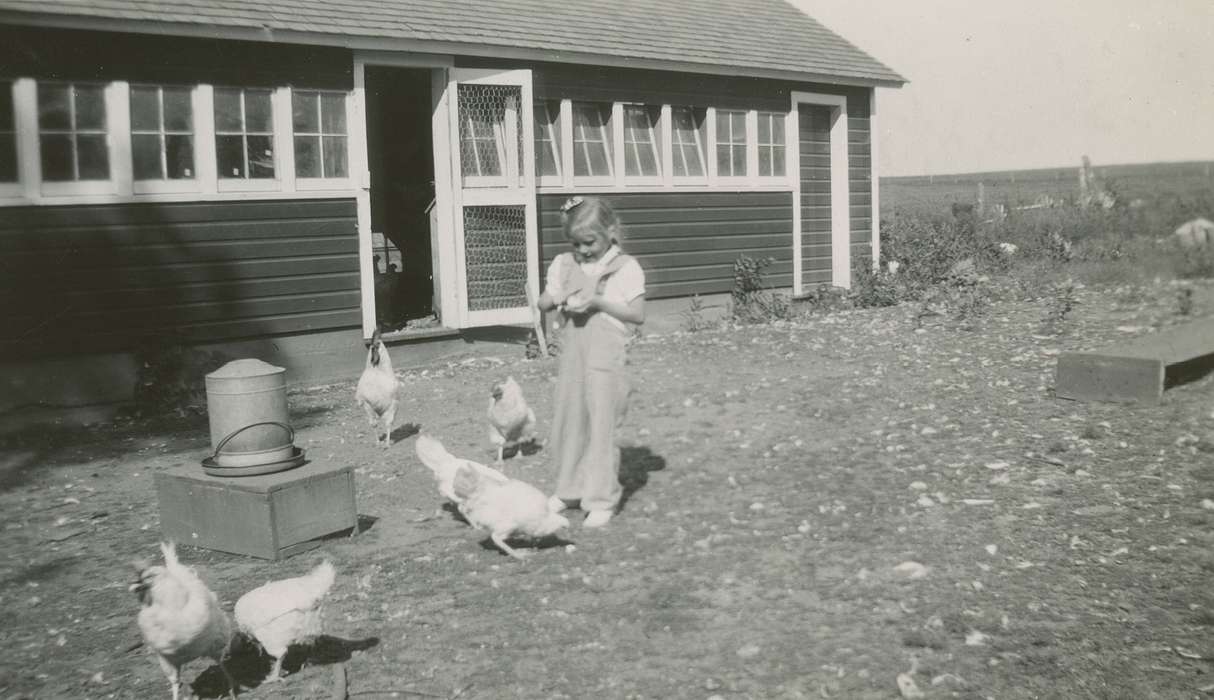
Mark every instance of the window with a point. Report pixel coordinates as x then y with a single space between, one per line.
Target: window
319 120
771 144
731 143
244 133
592 147
8 134
162 133
641 157
687 141
548 141
72 132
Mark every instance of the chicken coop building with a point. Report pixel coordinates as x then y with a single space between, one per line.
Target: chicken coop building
285 175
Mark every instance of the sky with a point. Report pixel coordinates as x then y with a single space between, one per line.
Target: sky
1035 83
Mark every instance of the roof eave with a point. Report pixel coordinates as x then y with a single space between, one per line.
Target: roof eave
371 43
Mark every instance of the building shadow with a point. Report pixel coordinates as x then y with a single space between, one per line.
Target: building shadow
249 664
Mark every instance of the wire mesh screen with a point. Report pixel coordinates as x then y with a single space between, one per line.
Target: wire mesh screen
483 138
495 256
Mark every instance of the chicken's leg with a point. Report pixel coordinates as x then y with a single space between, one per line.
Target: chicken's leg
388 419
231 681
500 540
173 674
276 672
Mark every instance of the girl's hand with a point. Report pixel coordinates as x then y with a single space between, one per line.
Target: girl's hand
577 304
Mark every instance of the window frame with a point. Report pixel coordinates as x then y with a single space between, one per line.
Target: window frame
614 156
781 147
247 183
16 188
702 136
112 94
166 185
748 152
556 135
655 131
304 184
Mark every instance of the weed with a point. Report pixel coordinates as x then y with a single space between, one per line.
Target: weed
1184 301
872 288
693 316
532 351
1059 306
751 300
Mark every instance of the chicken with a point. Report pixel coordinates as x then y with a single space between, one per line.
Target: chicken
504 507
511 420
181 619
286 612
443 465
376 391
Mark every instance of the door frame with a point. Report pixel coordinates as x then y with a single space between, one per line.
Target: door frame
840 194
519 190
360 161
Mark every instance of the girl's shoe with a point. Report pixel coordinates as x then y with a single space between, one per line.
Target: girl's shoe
597 518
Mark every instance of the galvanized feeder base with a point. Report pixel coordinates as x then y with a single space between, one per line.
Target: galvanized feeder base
271 516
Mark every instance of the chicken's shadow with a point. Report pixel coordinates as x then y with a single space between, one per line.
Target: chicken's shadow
526 543
402 432
250 665
635 464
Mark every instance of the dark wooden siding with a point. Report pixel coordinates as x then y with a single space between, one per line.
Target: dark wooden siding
860 180
687 242
81 55
814 136
105 277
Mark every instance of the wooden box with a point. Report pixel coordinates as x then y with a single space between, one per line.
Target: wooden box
272 516
1138 370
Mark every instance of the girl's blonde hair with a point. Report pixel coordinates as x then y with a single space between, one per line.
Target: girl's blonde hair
592 214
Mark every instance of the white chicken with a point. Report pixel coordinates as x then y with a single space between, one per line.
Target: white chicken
444 466
505 507
511 420
281 613
376 391
181 619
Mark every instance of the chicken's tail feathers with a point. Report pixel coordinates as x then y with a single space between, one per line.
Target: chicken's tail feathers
169 549
323 575
432 453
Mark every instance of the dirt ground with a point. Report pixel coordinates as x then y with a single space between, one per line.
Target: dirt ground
813 509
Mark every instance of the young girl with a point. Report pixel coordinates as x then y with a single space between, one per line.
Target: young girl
600 293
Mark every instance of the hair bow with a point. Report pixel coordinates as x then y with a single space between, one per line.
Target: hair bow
570 203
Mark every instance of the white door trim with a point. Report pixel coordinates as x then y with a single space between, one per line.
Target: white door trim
875 212
840 215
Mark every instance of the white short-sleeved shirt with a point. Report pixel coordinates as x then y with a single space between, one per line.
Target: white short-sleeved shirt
622 286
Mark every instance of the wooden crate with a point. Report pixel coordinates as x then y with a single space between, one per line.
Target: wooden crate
1138 371
272 516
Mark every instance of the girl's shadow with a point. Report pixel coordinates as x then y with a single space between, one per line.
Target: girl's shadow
635 465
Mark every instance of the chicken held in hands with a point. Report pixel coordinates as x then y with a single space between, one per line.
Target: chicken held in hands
511 420
181 619
376 392
282 613
505 507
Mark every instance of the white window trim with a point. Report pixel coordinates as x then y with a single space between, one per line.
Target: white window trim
615 155
686 180
278 183
557 136
112 93
166 185
655 132
751 154
206 186
304 184
772 179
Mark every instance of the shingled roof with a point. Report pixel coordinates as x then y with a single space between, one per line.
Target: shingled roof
762 38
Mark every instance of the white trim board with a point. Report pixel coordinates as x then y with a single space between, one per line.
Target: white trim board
840 191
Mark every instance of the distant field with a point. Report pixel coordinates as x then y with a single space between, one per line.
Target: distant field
1165 185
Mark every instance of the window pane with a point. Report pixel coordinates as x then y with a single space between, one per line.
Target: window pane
335 156
303 113
57 157
6 106
257 112
598 161
178 109
487 157
777 129
227 110
591 140
261 156
649 163
8 157
90 107
179 156
145 156
691 164
639 141
739 159
723 162
93 159
229 151
145 109
764 128
333 113
777 160
54 111
547 138
307 156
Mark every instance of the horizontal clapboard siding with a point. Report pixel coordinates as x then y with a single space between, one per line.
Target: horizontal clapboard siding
860 180
687 242
813 131
106 277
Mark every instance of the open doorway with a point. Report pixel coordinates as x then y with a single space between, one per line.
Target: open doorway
401 160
